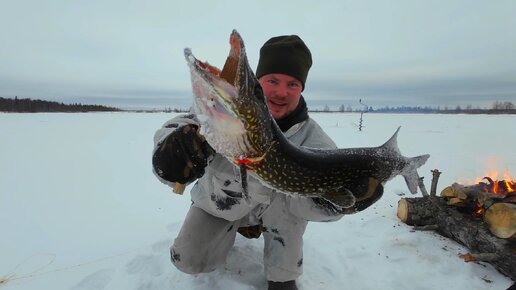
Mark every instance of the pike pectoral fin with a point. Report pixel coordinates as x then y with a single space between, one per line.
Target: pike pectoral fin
374 193
365 192
344 199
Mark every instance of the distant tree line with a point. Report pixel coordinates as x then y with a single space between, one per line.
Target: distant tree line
163 110
33 106
497 107
177 110
27 105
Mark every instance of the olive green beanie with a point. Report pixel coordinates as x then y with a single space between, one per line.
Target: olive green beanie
285 54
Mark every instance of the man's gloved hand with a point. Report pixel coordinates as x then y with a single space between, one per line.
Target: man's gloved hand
183 155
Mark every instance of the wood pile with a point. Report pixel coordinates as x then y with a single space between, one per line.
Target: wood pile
475 216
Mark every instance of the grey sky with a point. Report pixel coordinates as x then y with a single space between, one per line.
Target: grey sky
385 52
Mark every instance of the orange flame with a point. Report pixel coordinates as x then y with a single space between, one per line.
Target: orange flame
479 212
510 185
495 174
501 183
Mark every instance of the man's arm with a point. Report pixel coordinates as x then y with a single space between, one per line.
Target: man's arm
180 154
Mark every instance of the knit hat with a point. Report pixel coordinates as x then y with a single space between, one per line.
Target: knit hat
285 54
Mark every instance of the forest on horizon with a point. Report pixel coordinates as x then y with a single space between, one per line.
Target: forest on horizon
27 105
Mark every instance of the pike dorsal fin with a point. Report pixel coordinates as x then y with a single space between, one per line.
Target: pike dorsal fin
392 143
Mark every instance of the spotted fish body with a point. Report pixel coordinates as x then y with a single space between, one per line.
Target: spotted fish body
236 122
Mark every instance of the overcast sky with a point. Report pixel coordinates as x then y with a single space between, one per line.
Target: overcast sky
393 53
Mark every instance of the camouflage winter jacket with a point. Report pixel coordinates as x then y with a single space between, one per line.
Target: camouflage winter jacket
218 191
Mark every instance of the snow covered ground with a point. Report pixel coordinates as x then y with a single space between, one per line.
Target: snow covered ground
81 209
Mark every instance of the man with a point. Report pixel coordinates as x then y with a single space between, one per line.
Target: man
218 210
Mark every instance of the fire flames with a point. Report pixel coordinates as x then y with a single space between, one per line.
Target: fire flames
500 187
503 186
495 186
479 211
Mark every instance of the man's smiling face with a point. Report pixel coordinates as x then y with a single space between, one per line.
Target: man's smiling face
282 93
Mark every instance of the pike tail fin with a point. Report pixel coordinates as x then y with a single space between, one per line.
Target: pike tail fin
410 171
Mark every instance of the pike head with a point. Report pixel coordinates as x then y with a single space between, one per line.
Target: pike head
230 104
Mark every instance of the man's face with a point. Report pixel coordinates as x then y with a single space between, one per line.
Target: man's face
282 93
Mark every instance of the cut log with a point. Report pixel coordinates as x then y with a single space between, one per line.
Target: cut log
461 195
416 212
461 227
455 190
501 218
479 192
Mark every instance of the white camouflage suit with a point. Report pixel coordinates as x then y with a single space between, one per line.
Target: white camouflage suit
217 211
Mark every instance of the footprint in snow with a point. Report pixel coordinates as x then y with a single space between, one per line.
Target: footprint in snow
145 265
96 281
161 246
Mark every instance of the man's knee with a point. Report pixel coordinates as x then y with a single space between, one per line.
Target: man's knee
189 264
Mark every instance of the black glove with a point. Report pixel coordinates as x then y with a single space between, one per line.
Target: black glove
183 155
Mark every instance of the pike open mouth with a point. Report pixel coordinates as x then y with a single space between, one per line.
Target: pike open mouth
229 71
216 92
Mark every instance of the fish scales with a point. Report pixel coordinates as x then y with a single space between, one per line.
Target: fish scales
231 108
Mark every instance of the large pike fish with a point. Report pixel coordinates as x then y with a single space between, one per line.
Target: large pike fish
236 122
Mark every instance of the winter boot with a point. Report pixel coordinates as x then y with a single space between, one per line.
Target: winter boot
288 285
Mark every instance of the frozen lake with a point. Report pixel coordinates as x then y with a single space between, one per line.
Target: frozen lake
81 209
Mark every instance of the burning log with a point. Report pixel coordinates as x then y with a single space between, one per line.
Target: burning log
462 227
481 217
461 195
488 200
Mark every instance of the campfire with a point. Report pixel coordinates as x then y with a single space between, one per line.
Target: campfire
491 199
500 188
477 198
504 188
480 215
